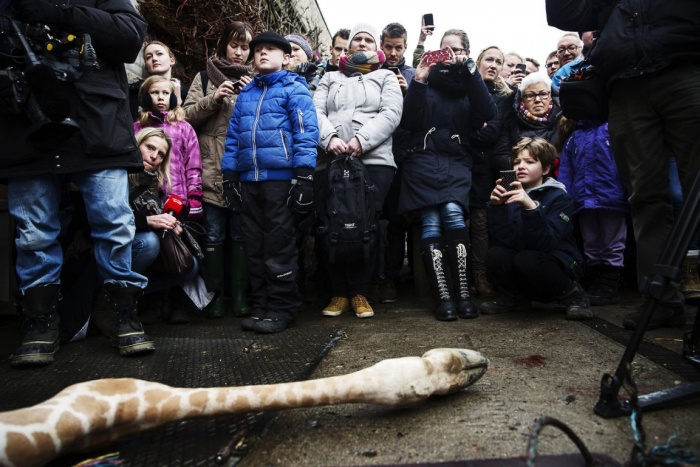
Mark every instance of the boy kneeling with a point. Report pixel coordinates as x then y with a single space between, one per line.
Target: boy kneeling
534 254
271 141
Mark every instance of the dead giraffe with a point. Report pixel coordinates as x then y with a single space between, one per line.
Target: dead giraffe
98 412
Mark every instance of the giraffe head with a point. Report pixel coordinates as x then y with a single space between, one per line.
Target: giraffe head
455 369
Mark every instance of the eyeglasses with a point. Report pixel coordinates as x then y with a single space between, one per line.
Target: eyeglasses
458 51
570 48
531 96
552 64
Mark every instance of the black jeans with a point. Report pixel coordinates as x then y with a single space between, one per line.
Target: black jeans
269 236
533 274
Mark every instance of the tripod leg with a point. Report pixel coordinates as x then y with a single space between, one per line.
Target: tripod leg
691 339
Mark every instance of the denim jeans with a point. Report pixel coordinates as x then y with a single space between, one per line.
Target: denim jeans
449 215
144 250
34 206
216 222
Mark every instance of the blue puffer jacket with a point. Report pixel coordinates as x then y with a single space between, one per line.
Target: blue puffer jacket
273 129
588 169
546 228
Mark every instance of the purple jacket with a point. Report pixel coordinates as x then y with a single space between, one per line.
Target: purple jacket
588 170
185 163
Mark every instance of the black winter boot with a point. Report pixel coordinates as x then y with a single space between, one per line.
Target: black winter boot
457 254
127 331
432 254
605 285
214 262
578 308
40 334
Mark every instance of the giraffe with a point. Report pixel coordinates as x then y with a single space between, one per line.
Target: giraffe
98 412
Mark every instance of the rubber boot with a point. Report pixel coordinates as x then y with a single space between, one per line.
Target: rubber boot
239 280
40 333
214 263
457 248
127 330
434 262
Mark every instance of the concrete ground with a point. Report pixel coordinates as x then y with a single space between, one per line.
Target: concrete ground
540 365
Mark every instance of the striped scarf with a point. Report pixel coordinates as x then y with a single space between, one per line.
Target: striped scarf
361 62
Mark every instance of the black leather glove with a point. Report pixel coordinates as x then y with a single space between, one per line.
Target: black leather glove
301 194
40 11
232 191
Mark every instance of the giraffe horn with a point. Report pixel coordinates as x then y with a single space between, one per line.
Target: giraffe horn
97 412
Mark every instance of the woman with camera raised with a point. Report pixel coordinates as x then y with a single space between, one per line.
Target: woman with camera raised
445 103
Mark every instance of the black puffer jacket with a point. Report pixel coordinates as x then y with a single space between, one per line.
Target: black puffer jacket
437 167
641 36
97 100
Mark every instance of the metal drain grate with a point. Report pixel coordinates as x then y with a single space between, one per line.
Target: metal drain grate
201 354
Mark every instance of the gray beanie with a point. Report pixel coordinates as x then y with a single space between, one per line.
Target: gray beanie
364 27
302 43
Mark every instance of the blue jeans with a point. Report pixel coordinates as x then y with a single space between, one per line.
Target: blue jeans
448 215
144 250
216 221
34 206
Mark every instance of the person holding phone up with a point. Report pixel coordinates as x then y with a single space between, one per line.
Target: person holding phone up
534 254
445 103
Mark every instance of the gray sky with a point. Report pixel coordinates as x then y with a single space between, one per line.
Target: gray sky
512 25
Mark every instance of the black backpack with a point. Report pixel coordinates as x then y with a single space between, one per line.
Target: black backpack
348 224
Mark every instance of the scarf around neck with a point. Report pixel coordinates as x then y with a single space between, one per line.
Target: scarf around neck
451 79
361 62
219 70
525 114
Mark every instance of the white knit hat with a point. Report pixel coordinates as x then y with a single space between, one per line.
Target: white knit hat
364 27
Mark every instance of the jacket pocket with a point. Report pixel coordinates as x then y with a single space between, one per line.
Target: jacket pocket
284 144
104 124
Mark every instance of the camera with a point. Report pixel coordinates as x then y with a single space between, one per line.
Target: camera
35 64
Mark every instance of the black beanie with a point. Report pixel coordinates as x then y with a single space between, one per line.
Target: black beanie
271 37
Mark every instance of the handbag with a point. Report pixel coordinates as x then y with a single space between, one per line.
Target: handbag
174 257
584 95
187 229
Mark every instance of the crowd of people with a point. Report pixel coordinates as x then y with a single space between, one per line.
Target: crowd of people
515 202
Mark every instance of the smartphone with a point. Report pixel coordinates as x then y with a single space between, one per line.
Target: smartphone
428 20
437 56
521 66
508 177
394 69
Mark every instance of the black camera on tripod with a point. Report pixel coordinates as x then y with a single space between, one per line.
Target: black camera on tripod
35 66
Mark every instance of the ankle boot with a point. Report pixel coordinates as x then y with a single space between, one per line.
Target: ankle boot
605 285
214 263
578 308
178 306
432 254
40 334
239 279
127 330
457 254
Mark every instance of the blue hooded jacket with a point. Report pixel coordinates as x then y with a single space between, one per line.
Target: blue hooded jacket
273 129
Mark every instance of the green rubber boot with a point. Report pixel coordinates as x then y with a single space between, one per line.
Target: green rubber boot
214 263
239 280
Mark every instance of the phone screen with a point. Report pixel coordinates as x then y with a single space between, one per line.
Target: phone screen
428 20
521 66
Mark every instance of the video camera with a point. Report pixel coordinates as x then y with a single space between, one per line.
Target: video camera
35 64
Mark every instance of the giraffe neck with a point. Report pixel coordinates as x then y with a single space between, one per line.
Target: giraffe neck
97 412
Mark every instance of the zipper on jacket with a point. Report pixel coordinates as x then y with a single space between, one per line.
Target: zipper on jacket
255 126
301 120
459 140
425 140
284 145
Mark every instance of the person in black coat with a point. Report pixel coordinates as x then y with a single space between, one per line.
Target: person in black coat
444 104
85 136
493 144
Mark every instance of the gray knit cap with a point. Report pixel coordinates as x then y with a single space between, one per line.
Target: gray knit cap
302 43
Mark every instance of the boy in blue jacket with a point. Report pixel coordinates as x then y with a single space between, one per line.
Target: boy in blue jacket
271 141
534 254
